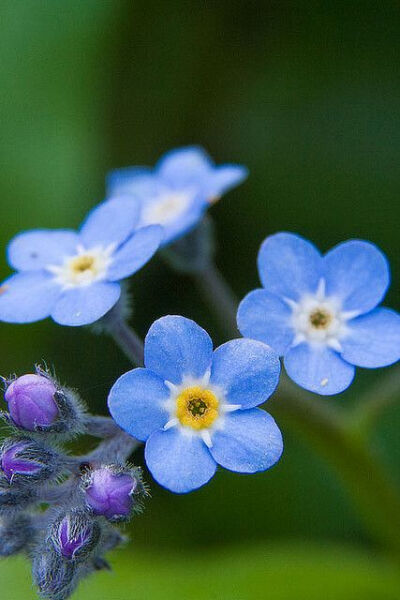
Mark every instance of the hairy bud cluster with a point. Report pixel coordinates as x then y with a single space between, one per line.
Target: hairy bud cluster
84 495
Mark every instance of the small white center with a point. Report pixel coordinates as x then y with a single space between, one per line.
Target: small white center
319 319
83 268
166 208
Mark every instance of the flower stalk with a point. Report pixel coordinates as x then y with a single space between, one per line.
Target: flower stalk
338 436
217 293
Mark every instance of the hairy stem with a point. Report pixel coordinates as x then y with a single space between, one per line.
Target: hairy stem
102 427
114 450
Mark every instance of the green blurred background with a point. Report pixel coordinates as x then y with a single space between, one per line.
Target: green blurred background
307 95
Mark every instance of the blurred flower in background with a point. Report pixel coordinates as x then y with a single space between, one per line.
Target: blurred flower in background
178 191
73 277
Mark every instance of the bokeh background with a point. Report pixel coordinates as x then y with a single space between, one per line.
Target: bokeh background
307 95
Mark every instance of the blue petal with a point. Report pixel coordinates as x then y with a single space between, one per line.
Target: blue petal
357 272
86 304
136 183
318 369
246 370
265 317
118 181
222 179
28 297
250 441
38 248
176 347
179 462
373 339
289 265
135 253
111 222
136 402
184 165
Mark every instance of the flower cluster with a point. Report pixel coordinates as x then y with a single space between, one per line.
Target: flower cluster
73 277
195 408
178 191
84 495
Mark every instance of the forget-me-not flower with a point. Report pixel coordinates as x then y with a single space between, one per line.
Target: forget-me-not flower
178 191
74 276
320 312
195 408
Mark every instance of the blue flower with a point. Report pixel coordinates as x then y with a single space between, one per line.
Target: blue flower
73 276
178 191
320 312
195 408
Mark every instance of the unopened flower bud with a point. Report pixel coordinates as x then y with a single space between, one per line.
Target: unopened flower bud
110 492
55 577
75 535
31 401
24 461
15 534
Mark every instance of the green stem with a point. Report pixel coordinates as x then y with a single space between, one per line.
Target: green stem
115 325
128 340
333 434
381 395
221 299
328 431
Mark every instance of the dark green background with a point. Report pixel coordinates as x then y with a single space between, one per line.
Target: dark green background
307 95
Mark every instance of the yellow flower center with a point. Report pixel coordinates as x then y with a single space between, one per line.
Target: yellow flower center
196 407
82 263
84 268
320 319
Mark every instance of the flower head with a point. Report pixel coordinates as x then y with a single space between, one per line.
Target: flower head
74 276
31 401
109 491
195 408
320 312
178 191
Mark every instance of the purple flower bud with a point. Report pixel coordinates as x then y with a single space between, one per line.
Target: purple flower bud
24 461
71 543
109 492
75 535
31 401
16 460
